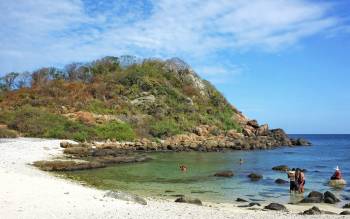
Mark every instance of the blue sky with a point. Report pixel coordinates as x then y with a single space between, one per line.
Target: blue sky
283 62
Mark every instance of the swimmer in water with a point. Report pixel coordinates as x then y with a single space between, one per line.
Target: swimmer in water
183 168
240 161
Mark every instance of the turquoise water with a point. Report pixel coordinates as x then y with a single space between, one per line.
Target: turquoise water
161 176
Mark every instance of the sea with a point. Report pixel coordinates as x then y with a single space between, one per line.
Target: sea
161 177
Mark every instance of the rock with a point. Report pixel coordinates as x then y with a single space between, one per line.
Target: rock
281 181
78 151
337 183
227 173
255 176
253 123
345 213
184 199
312 211
253 204
346 205
234 134
276 207
262 130
283 168
126 197
330 198
66 144
67 165
300 142
143 100
241 200
313 197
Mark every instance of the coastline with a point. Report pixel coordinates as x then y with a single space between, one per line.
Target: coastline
26 192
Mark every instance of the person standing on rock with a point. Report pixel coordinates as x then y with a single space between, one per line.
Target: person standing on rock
337 174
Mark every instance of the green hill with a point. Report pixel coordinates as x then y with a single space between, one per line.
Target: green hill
118 98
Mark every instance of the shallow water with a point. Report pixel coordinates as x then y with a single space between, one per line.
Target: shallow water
161 176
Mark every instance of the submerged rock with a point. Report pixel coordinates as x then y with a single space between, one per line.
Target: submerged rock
227 173
184 199
126 197
276 207
312 211
281 168
255 176
241 200
66 165
281 181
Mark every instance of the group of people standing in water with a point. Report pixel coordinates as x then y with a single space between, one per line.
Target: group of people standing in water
297 180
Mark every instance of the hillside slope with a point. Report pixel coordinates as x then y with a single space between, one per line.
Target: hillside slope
122 98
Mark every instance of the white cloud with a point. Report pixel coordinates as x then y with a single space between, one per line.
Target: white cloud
43 32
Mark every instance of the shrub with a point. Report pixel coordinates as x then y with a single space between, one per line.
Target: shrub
115 130
164 128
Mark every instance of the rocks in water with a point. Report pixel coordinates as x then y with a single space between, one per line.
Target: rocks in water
330 198
251 204
241 200
281 181
313 197
262 130
184 199
78 151
255 176
67 165
126 197
300 142
276 207
227 173
312 211
337 183
345 213
346 205
66 144
121 159
282 168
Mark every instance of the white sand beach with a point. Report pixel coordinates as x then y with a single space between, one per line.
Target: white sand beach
26 192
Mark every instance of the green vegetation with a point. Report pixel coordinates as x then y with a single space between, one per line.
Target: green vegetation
152 98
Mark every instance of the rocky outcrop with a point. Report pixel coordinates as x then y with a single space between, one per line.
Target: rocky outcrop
227 173
276 207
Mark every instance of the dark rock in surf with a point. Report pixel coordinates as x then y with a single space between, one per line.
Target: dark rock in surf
281 181
241 200
255 176
330 198
227 173
346 205
313 197
276 207
282 168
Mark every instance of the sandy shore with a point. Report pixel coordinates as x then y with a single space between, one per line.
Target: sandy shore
26 192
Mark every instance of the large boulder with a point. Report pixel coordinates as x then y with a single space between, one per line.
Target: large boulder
227 173
184 199
262 130
312 211
276 207
241 200
300 142
234 134
255 176
330 198
282 168
248 132
313 197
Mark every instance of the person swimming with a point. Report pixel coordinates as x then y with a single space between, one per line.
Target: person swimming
241 161
183 168
337 174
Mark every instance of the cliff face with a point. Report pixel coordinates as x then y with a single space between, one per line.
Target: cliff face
123 98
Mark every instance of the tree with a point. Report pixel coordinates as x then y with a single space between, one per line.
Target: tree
8 81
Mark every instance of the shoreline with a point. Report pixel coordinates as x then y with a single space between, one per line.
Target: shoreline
27 192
